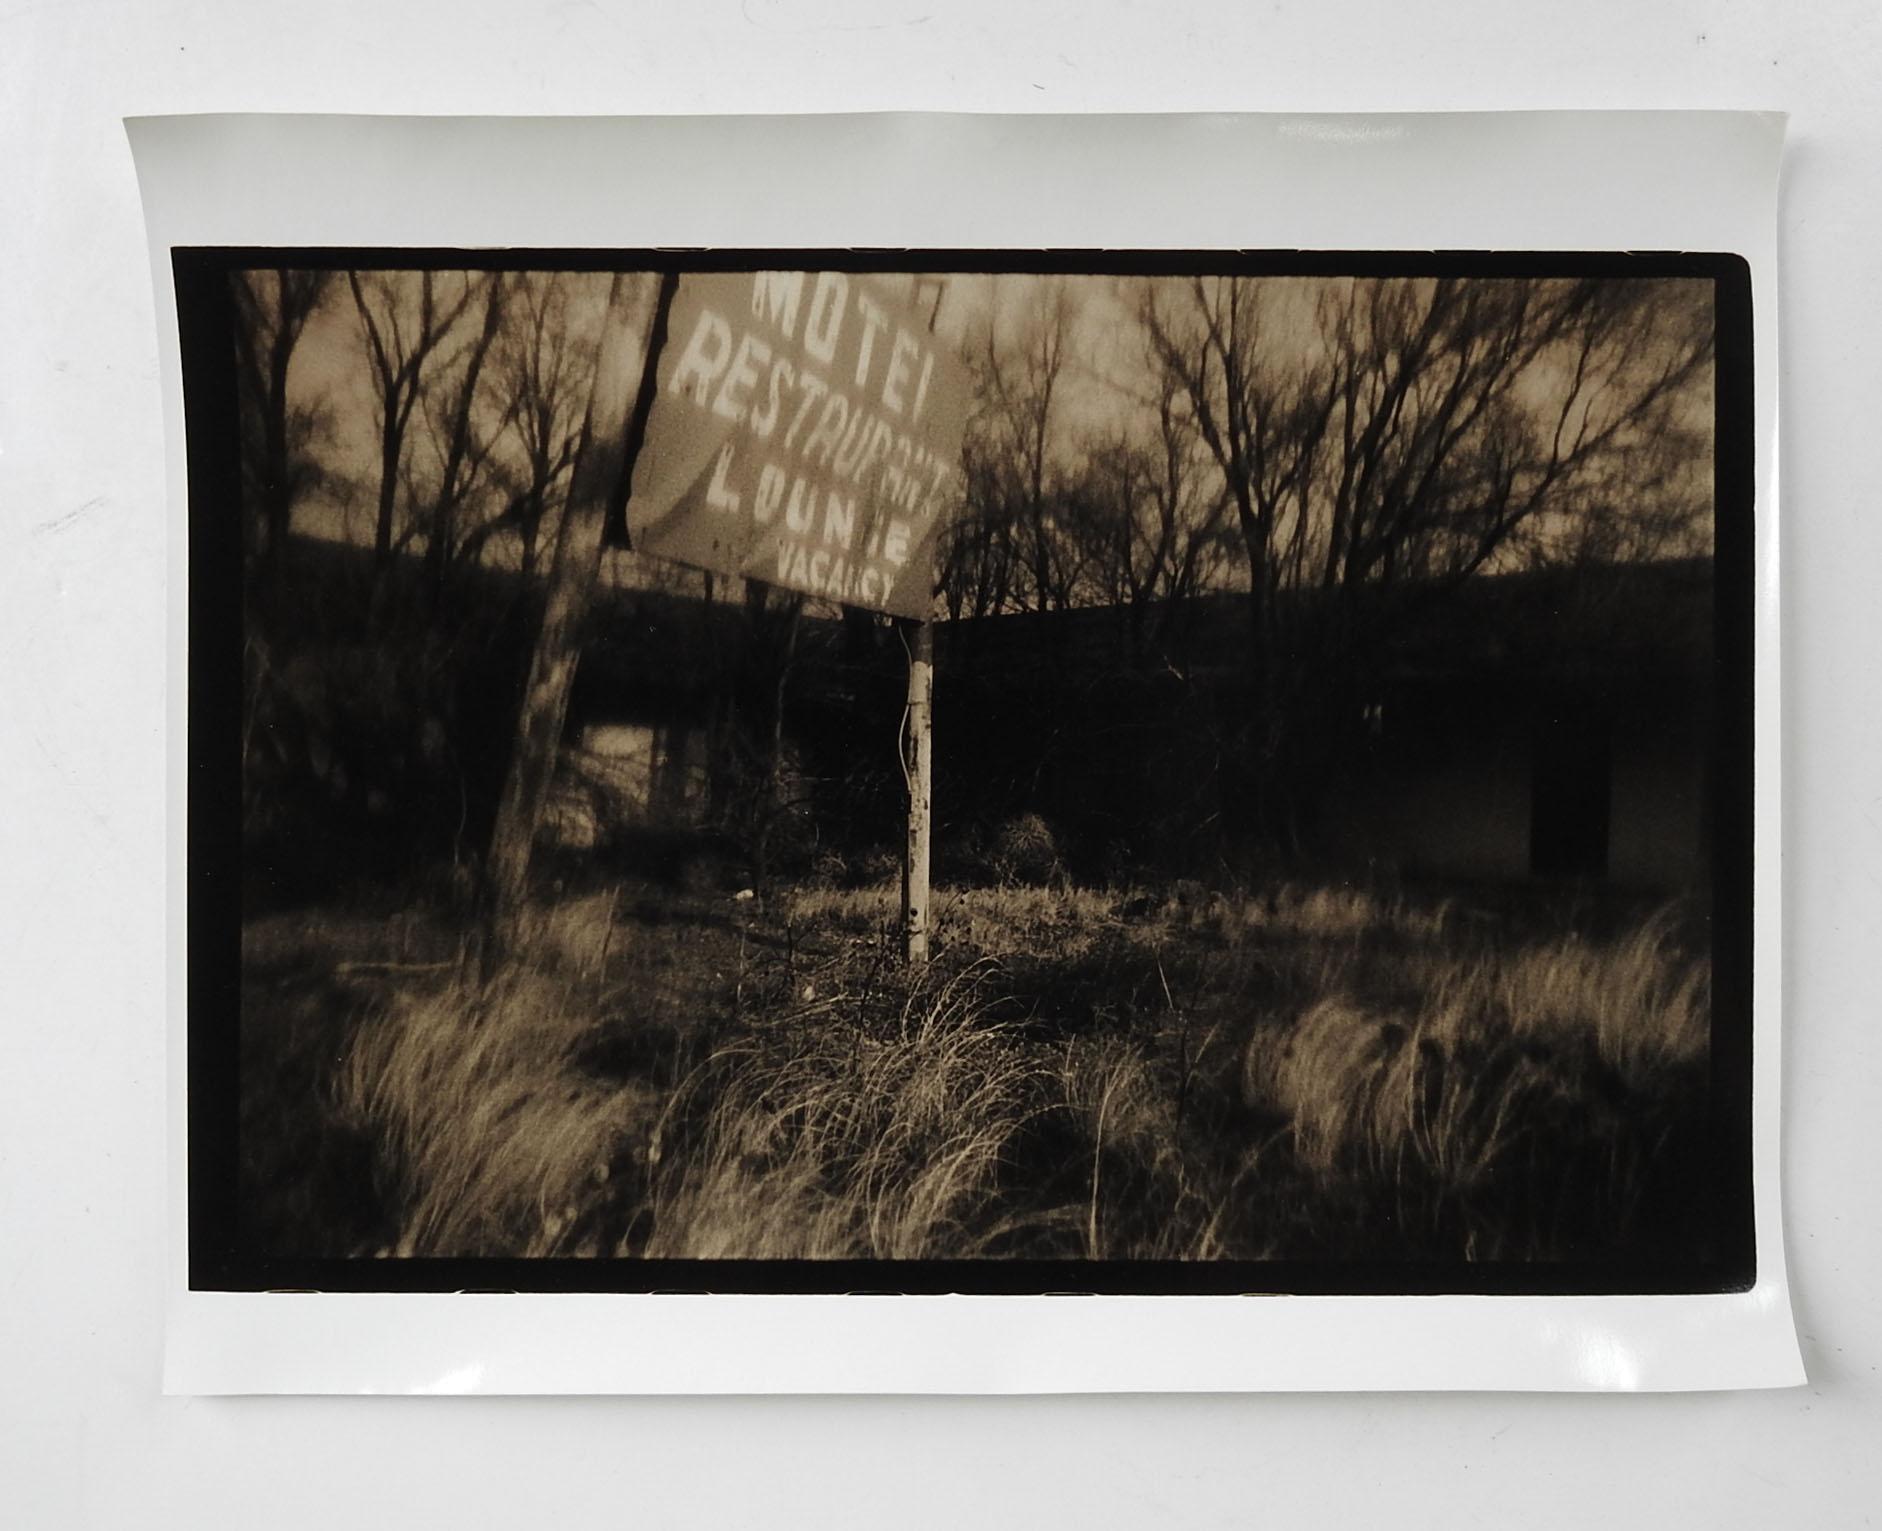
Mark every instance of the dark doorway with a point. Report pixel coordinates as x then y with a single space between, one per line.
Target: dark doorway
1571 793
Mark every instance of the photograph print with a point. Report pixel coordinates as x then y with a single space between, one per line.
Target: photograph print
800 771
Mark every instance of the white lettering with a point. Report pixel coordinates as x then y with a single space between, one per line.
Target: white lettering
719 494
800 510
849 453
704 358
921 388
764 421
895 544
774 296
812 388
839 519
770 494
829 431
907 348
731 402
825 320
873 319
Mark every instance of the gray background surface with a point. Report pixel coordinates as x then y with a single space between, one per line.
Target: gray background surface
85 1437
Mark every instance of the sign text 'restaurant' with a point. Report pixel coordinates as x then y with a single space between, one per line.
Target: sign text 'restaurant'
806 431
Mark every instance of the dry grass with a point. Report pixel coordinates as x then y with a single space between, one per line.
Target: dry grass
1179 1073
999 921
497 1139
1511 1069
846 1142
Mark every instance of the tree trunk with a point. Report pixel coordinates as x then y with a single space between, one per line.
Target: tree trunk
390 443
277 493
601 467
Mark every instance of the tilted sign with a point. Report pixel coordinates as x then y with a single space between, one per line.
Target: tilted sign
806 431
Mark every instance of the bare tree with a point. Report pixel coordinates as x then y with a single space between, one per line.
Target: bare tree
404 318
978 551
461 442
1261 408
272 310
1020 382
1479 417
1150 517
1385 439
1430 428
542 385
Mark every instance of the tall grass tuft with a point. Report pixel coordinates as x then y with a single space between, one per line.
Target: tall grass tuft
493 1138
837 1142
1521 1089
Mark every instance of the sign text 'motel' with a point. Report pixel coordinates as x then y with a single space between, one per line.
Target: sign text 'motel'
806 431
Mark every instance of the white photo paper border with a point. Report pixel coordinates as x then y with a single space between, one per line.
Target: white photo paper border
1580 181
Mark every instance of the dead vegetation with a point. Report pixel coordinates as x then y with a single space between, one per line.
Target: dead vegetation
1287 1072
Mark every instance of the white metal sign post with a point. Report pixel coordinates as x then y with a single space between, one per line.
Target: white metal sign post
918 764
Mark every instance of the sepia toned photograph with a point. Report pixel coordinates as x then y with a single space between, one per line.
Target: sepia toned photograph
958 772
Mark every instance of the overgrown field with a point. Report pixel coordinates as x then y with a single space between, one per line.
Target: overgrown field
1282 1073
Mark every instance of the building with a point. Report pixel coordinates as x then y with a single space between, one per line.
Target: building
1558 724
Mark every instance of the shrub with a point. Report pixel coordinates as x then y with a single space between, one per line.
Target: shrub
1023 851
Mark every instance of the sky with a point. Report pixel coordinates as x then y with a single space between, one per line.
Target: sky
1105 365
330 362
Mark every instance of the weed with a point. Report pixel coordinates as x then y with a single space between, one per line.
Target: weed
1177 1073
